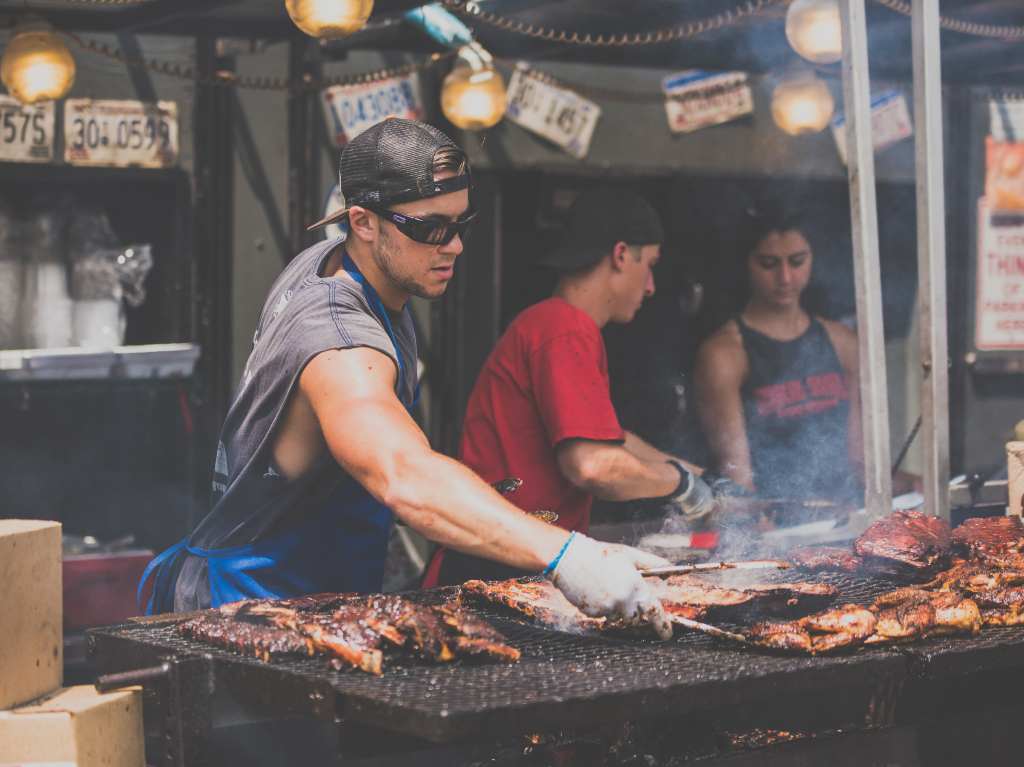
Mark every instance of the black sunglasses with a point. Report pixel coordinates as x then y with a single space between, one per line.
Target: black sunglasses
427 231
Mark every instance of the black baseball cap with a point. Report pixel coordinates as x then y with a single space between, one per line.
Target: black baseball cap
598 219
393 162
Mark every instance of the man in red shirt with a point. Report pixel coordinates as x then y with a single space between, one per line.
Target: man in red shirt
541 408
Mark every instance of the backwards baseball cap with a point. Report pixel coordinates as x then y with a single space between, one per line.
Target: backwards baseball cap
598 219
390 163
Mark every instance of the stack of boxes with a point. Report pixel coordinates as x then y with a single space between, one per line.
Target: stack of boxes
41 721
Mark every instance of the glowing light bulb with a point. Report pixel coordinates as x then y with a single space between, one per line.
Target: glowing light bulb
802 104
473 94
37 65
814 29
329 18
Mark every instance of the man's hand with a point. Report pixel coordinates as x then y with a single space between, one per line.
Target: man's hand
701 498
603 580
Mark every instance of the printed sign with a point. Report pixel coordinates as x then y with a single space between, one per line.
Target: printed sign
1004 174
890 122
26 132
554 113
1006 119
999 296
351 109
121 133
697 99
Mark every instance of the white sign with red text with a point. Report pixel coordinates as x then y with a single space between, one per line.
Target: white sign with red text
697 99
999 296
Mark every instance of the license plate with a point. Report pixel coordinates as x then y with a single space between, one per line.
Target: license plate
121 133
26 132
554 113
351 109
697 99
890 122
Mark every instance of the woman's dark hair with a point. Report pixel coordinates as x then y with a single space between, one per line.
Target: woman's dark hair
758 221
761 219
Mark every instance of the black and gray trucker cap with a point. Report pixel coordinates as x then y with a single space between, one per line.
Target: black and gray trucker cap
390 163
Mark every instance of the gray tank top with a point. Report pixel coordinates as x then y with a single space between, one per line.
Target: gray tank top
304 315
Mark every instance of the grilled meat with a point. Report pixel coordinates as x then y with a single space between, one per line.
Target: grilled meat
905 543
973 576
689 596
351 631
264 642
828 631
826 558
781 635
537 599
913 613
996 541
475 636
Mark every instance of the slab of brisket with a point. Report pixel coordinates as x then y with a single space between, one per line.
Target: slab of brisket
905 544
825 558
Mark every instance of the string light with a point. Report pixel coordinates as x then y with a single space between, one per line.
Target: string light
473 94
329 19
37 65
814 29
802 103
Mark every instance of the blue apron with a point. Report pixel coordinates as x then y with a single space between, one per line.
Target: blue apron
341 548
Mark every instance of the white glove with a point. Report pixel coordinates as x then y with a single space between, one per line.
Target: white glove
602 579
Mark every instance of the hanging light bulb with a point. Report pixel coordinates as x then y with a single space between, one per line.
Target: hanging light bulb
815 31
329 18
473 94
802 103
36 65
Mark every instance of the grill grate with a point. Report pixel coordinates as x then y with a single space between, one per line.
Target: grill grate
564 680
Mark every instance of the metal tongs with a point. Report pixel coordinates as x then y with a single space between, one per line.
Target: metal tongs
707 628
753 564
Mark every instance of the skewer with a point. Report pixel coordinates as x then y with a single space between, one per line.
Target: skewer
707 628
753 564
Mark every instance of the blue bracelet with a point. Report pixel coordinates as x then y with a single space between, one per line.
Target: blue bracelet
558 557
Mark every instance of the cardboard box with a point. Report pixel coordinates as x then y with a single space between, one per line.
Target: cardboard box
31 636
76 725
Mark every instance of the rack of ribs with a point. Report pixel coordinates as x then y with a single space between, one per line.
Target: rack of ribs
351 632
688 596
825 558
905 543
536 599
996 541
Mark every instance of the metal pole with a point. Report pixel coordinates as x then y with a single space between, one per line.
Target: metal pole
931 254
864 224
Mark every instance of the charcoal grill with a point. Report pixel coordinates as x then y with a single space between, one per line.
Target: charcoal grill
565 681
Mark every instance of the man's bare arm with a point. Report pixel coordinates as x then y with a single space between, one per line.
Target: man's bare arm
371 435
645 451
611 472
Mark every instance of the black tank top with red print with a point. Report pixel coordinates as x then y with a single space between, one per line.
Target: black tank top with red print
797 406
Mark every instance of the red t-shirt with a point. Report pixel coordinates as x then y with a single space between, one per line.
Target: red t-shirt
545 381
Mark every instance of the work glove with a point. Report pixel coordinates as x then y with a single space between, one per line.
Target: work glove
602 579
699 499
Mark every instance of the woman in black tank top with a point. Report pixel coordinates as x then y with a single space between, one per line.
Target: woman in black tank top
777 387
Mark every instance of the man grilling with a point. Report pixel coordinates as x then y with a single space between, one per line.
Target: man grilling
319 450
541 407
